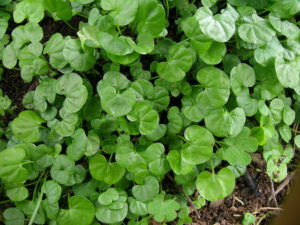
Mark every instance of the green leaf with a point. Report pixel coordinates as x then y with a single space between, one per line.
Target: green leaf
225 124
267 53
248 104
287 72
30 32
76 150
123 13
214 54
163 210
276 169
26 126
220 27
147 118
114 212
150 17
116 104
180 61
200 145
215 186
297 141
270 86
62 9
249 219
30 9
236 149
71 86
241 76
54 48
217 87
10 56
52 191
175 124
109 196
44 92
285 8
114 45
81 211
13 216
17 194
79 59
256 31
88 37
147 191
3 27
102 170
145 43
156 159
138 208
28 207
285 133
178 165
183 216
62 170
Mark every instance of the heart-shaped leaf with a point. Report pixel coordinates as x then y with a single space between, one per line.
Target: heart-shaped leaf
224 124
81 211
215 186
105 171
217 87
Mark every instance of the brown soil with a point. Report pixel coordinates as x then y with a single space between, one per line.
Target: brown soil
252 193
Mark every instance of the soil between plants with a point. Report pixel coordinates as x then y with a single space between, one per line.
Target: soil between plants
255 199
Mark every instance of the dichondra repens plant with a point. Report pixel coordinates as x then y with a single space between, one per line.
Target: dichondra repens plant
140 93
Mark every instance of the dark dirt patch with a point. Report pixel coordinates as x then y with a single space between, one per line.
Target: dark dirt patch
252 193
15 88
50 27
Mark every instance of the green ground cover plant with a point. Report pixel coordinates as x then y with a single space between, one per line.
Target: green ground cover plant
144 92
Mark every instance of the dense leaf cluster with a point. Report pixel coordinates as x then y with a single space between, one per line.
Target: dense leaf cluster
142 94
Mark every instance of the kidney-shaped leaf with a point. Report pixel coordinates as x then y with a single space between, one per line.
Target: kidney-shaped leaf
31 9
71 86
150 17
123 12
224 124
26 126
163 210
81 211
79 59
220 27
200 145
241 76
217 87
105 171
180 61
11 169
215 186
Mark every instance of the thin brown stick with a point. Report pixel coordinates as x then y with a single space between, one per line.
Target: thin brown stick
187 197
273 193
283 184
270 208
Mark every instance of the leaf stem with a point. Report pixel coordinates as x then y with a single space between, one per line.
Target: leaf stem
5 201
153 78
82 15
110 157
119 30
27 162
212 166
38 204
36 186
69 25
182 138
